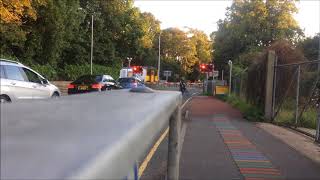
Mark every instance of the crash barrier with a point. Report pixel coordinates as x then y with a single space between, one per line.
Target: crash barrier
174 85
90 136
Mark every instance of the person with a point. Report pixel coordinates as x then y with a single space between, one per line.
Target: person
182 86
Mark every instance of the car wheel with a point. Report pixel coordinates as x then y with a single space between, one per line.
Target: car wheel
55 95
4 99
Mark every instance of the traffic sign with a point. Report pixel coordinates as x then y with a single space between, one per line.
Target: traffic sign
215 73
167 73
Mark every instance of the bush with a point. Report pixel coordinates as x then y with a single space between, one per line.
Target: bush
250 112
72 72
46 71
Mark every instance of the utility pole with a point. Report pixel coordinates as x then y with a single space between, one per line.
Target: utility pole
159 57
222 75
297 96
319 44
91 56
319 50
230 75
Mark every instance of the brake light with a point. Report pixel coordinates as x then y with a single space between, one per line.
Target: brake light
71 86
96 86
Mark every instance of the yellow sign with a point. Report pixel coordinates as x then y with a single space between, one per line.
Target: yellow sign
220 90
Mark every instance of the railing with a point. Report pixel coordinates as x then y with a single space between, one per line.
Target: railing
90 136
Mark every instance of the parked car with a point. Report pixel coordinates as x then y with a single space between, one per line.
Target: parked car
18 82
130 82
91 83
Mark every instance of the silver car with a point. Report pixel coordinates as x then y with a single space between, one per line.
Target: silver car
18 82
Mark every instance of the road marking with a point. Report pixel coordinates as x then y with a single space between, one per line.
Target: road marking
151 153
252 163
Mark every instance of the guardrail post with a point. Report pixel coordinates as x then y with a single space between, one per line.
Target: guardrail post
173 148
318 125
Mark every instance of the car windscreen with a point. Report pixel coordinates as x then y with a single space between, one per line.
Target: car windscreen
88 79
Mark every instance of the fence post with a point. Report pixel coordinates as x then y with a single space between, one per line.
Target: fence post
318 125
297 97
173 148
274 89
269 85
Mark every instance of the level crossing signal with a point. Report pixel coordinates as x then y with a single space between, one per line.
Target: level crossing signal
206 68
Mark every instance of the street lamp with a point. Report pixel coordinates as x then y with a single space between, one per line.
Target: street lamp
159 56
91 54
129 61
230 74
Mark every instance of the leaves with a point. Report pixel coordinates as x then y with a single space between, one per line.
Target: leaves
252 25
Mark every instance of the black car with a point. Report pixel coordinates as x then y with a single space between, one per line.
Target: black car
91 83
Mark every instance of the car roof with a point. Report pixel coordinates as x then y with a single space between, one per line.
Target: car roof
131 78
94 75
10 62
15 63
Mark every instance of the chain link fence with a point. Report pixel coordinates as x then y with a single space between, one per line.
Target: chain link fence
296 95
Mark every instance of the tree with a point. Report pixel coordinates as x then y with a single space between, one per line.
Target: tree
310 47
17 11
14 17
203 45
177 47
251 25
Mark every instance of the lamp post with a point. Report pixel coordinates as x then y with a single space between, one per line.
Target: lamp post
159 57
91 55
129 61
91 52
230 74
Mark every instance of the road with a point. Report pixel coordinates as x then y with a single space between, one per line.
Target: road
219 144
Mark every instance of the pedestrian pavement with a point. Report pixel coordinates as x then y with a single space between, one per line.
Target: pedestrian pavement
220 144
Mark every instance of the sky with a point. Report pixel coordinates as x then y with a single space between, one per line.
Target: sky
204 14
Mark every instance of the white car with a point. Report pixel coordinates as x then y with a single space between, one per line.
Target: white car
18 82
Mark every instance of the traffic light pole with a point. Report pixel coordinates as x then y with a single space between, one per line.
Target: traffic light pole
230 75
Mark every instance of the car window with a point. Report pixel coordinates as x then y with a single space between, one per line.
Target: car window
107 80
14 73
126 80
2 75
32 77
88 79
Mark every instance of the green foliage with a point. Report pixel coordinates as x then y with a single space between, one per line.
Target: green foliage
186 50
47 71
310 47
56 34
286 115
72 72
250 112
251 26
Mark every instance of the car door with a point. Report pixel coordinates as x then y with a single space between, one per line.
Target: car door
39 90
17 83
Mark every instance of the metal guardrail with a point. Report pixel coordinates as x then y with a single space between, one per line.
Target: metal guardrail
90 136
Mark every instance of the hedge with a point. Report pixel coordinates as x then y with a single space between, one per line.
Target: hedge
72 72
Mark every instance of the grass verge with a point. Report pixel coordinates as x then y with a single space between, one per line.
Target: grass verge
250 112
308 119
